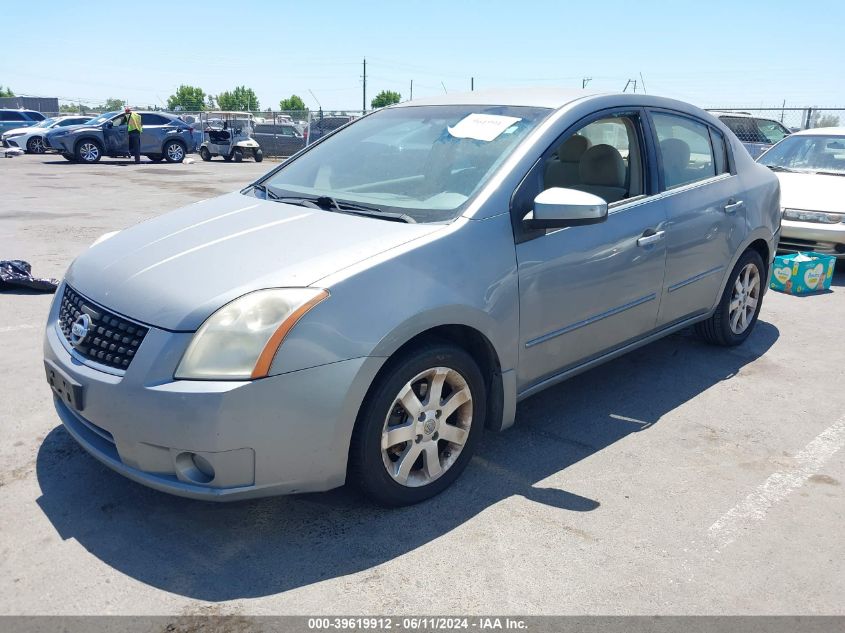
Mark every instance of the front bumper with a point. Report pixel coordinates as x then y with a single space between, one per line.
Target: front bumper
216 440
828 239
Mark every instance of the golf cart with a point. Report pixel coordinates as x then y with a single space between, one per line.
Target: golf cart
229 134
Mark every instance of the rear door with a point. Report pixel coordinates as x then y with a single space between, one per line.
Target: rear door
152 132
706 212
585 290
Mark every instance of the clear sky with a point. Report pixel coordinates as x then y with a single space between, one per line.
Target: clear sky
714 53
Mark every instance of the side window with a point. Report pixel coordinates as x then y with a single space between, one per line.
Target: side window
12 116
36 116
685 152
603 158
720 152
153 119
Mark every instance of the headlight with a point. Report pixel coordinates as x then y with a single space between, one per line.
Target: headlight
813 216
5 136
240 340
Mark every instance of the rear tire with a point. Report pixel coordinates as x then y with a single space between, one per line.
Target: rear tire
410 418
227 157
174 152
205 154
738 309
156 158
238 154
258 155
88 151
35 145
69 157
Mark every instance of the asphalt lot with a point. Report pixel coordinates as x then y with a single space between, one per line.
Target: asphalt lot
681 479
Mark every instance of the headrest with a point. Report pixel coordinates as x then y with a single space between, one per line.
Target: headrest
572 149
602 165
675 152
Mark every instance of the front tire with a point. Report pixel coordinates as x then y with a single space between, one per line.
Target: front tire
155 158
69 157
35 145
174 152
88 151
419 426
238 154
205 154
737 312
258 155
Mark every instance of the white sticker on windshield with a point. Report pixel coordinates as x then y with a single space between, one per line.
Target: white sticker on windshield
482 127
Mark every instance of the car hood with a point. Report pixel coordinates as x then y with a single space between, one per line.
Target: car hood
18 130
812 192
173 271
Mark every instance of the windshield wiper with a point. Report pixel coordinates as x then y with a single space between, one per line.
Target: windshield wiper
327 203
781 168
831 173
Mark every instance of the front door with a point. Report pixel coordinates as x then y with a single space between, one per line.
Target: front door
705 211
585 290
116 136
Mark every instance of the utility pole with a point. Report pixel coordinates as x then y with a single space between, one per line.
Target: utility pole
412 90
444 88
585 81
628 83
642 81
364 108
472 83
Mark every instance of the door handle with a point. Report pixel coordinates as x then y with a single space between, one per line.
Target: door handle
733 206
651 237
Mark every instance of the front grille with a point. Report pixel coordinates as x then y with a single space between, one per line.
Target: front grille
111 339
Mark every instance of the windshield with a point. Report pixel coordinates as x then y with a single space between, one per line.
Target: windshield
423 161
753 130
808 153
45 123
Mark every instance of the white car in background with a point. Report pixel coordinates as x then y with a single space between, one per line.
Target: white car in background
811 168
31 139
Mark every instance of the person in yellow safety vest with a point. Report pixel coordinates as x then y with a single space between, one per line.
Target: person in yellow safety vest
134 127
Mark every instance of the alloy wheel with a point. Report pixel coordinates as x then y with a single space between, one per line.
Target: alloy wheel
427 426
36 145
175 152
89 152
744 298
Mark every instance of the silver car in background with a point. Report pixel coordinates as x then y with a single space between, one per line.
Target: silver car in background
31 139
365 310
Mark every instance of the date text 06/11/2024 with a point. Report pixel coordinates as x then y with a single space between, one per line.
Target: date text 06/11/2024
426 623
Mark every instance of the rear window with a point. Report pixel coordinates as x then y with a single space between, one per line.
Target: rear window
35 116
12 116
752 130
153 119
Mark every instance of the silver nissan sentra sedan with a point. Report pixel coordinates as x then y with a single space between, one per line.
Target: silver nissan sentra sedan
367 309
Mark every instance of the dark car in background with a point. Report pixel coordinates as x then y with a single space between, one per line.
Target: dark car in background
281 139
756 134
321 126
163 137
18 118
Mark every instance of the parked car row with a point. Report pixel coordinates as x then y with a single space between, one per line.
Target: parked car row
31 138
164 137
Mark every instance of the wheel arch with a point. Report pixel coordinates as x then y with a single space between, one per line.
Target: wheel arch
89 137
761 241
167 141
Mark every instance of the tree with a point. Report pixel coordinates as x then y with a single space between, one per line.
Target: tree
295 106
74 108
111 104
386 98
6 92
826 120
241 98
187 98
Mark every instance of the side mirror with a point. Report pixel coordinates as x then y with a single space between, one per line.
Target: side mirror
109 124
558 207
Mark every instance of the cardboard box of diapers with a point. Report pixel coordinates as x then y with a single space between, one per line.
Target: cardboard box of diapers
802 273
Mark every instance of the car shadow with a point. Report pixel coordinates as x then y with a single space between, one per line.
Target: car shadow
248 549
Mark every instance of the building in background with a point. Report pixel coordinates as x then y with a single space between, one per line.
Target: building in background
39 104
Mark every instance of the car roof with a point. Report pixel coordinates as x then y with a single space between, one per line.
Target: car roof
829 131
552 98
739 115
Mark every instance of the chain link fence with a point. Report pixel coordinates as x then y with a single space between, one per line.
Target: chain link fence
794 119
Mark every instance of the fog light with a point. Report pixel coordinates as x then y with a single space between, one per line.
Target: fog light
195 468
